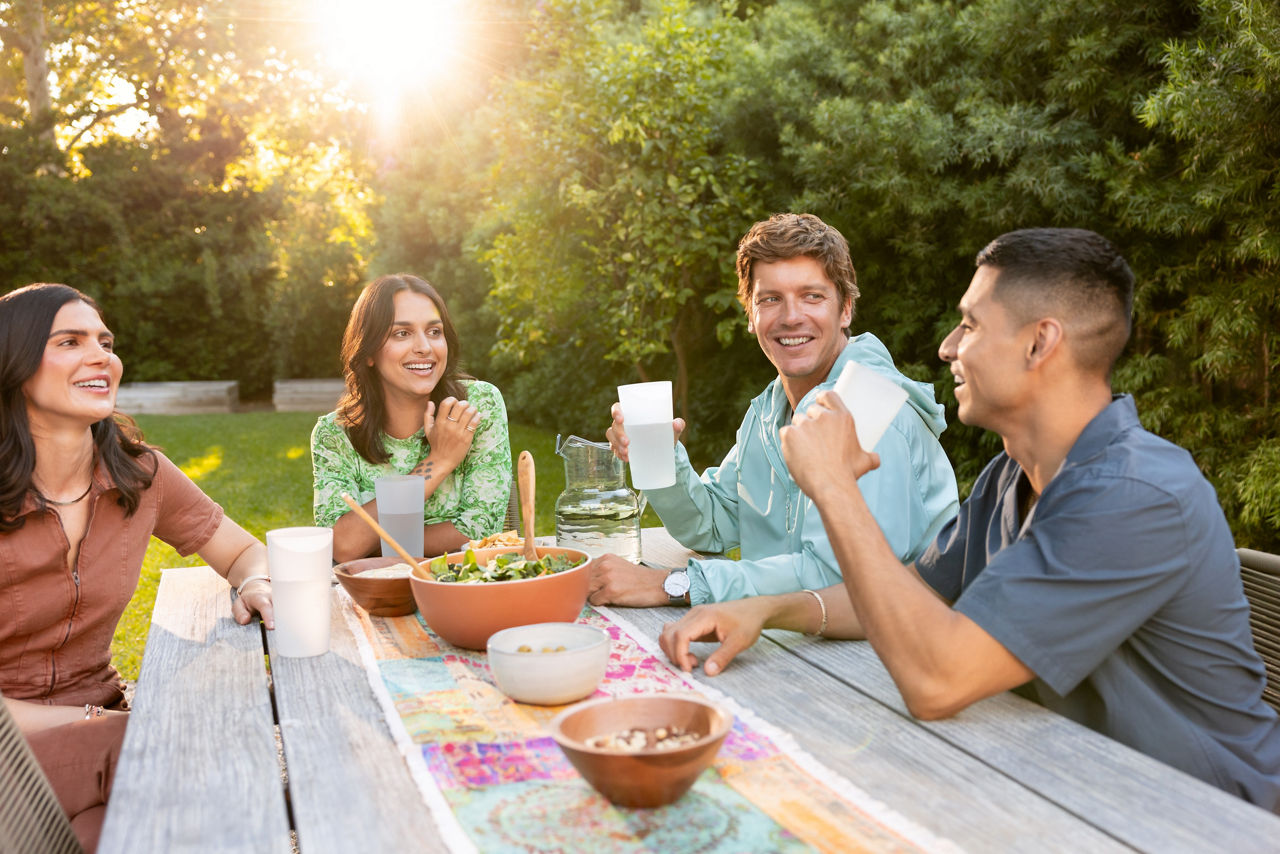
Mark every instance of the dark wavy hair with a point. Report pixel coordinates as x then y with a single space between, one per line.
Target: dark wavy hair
362 411
26 317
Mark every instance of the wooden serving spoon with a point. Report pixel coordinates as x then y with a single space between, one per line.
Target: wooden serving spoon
526 481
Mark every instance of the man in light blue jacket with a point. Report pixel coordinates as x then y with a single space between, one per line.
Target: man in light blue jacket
798 286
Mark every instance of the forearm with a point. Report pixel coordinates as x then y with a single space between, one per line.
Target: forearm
915 633
434 469
442 537
721 580
234 553
801 612
34 717
251 562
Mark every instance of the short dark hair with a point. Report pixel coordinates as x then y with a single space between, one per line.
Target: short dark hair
362 410
787 235
26 318
1074 273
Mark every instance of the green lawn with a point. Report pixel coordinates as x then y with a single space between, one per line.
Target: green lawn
257 465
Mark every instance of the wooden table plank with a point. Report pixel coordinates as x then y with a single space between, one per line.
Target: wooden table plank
1132 797
349 786
891 757
198 769
1129 796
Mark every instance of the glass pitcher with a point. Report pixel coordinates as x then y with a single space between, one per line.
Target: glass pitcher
596 512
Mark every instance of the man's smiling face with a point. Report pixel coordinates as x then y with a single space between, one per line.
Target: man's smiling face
798 317
987 353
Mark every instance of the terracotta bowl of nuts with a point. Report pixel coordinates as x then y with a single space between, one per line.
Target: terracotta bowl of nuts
549 664
642 751
380 585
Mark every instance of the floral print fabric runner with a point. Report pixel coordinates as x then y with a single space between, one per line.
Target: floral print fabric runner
495 781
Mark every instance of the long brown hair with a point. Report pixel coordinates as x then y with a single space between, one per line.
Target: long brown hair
26 316
362 411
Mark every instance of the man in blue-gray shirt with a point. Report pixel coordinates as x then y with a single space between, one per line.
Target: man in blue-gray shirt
1091 564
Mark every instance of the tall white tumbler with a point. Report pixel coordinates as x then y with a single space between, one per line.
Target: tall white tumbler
400 506
301 564
646 415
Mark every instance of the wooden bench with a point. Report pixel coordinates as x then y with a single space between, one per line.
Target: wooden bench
318 395
178 398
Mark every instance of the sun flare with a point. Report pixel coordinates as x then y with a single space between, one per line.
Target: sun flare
392 47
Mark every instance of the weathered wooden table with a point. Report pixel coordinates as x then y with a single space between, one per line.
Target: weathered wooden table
200 769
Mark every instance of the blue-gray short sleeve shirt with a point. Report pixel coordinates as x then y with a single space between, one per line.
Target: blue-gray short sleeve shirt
1121 591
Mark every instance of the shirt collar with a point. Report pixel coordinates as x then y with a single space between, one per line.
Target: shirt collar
1119 416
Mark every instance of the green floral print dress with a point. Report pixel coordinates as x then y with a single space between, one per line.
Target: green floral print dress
473 497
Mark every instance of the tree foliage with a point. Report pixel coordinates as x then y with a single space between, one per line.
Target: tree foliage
164 168
922 130
577 195
619 197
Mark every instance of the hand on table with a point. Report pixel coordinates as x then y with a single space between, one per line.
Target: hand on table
617 581
822 440
451 431
735 625
617 434
254 599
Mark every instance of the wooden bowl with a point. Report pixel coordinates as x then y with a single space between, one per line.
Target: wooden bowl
650 777
381 597
466 615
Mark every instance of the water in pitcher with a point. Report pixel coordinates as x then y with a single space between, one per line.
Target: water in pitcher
596 512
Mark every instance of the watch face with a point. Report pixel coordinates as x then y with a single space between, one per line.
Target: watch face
676 584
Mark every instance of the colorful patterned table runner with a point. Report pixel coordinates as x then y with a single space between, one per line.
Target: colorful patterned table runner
495 781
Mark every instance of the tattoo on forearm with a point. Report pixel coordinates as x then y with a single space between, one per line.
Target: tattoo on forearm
423 468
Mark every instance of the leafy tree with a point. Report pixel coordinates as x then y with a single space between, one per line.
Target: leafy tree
162 163
618 200
934 126
1205 190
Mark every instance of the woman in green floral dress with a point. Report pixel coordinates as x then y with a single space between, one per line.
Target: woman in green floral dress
409 410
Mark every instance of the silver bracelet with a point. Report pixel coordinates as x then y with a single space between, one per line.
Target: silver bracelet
823 605
245 582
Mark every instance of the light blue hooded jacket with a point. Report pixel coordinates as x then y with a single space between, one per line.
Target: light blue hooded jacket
751 501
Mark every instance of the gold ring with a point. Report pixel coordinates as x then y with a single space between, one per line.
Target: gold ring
453 419
471 428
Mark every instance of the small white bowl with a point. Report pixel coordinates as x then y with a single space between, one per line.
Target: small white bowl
549 678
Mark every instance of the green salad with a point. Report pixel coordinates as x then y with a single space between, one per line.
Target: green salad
505 567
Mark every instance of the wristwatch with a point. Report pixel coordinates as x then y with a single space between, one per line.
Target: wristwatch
676 586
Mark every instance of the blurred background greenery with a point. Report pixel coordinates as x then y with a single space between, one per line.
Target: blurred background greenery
224 175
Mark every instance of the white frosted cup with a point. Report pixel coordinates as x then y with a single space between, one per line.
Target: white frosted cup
400 506
646 416
301 564
872 399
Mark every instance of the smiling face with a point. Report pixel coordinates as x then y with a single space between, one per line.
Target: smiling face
412 359
987 352
79 372
798 317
